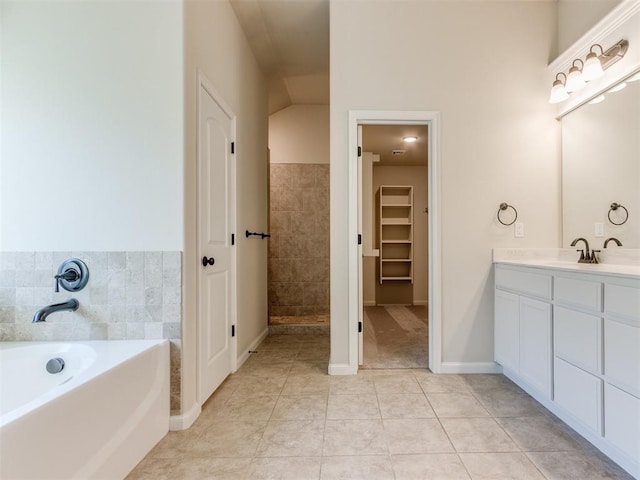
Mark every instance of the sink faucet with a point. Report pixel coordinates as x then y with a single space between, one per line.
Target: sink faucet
41 315
585 255
612 239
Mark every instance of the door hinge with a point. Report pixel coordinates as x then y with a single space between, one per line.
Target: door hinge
359 151
359 239
233 239
359 327
233 330
233 147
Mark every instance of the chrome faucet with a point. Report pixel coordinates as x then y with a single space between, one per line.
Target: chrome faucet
586 256
612 239
41 315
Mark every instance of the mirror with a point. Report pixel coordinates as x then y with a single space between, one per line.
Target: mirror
601 166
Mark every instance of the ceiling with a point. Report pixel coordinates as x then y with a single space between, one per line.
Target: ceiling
290 40
382 139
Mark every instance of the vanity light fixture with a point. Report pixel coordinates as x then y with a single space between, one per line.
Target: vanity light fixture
410 139
558 92
590 69
574 79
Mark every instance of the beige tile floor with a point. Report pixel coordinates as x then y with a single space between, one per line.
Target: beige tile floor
282 417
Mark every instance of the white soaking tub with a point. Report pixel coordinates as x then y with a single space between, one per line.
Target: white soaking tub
96 418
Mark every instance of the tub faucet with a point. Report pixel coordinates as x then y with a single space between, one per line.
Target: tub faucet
612 239
41 315
585 255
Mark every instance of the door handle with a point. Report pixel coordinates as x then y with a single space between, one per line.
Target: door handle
207 261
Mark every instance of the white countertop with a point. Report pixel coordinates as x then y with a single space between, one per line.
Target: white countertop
622 262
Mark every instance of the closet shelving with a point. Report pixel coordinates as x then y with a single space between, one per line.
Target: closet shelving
396 233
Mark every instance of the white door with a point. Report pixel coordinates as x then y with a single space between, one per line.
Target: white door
215 262
360 258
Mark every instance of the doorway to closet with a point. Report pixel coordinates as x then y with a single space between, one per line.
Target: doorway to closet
395 245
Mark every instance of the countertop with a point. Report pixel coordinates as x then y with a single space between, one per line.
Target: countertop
623 263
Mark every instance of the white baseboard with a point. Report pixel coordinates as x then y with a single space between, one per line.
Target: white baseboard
342 369
254 345
470 367
184 421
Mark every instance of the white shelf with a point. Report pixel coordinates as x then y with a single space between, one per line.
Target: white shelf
396 233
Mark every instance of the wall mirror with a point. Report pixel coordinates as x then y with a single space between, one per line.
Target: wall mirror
601 166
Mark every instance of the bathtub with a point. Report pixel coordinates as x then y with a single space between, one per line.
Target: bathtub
97 418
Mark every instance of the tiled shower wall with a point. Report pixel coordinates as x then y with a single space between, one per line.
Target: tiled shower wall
130 295
299 243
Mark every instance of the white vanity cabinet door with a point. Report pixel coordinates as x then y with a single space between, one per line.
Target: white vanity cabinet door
535 344
622 420
622 353
507 330
579 393
577 338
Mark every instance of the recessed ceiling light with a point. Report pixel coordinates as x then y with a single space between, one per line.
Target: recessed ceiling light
410 139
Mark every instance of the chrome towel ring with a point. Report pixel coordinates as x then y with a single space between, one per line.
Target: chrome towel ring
615 206
503 207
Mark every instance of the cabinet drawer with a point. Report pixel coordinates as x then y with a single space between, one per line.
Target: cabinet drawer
622 300
526 282
578 338
622 354
583 293
579 393
622 420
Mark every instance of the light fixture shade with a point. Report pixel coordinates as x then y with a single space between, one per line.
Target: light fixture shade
558 92
598 99
592 68
574 80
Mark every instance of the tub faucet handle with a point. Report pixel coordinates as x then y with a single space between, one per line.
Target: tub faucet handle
69 275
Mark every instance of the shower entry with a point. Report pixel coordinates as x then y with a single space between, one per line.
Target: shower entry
298 273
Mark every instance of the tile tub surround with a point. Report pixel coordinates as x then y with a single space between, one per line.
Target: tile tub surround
281 416
130 295
299 243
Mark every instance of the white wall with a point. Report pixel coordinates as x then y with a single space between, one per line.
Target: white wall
575 17
216 45
92 125
300 134
499 140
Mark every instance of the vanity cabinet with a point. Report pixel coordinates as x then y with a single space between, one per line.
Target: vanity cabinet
523 326
572 341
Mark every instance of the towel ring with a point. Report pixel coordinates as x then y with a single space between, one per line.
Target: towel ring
503 207
614 207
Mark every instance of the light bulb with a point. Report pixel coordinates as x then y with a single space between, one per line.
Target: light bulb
574 80
410 139
592 68
558 92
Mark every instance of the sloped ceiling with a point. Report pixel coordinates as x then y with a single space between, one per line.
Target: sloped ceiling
290 39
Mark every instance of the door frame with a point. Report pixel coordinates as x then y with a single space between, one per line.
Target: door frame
380 117
205 84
